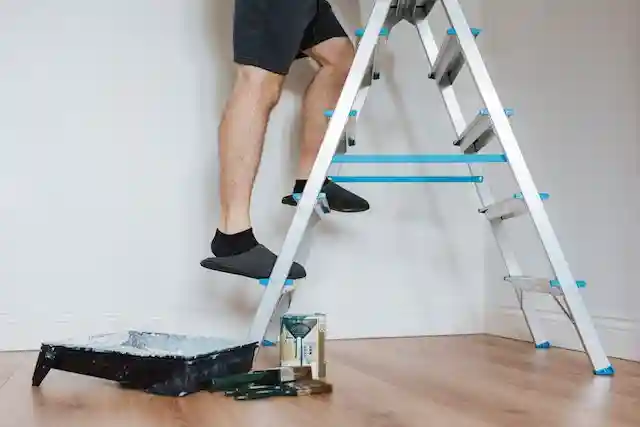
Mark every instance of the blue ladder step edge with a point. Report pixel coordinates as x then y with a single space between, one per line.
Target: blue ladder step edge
475 31
265 282
406 179
485 112
329 113
556 283
545 344
543 196
420 158
383 32
605 371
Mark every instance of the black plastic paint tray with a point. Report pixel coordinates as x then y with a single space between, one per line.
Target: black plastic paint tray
164 364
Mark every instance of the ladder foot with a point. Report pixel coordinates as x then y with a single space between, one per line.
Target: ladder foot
605 371
544 345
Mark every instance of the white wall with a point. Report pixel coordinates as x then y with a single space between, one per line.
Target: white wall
570 69
108 184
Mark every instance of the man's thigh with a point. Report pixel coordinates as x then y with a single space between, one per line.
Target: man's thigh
323 27
268 33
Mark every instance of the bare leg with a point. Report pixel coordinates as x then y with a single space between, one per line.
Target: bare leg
242 132
335 57
241 137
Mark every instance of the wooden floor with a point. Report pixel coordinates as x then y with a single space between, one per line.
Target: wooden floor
471 381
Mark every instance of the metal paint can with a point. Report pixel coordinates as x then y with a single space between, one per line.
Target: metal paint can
302 342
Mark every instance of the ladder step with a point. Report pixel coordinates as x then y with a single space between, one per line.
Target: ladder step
450 59
478 133
407 179
508 208
420 158
383 32
329 113
540 285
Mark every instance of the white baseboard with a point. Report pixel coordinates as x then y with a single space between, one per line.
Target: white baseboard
620 337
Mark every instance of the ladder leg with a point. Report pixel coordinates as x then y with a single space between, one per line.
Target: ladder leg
285 301
582 321
330 142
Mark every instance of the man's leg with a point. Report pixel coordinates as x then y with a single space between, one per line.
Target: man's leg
241 138
267 37
326 42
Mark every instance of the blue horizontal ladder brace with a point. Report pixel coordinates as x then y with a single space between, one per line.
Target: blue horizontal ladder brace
420 158
406 179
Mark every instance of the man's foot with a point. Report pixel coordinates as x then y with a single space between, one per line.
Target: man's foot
242 255
338 198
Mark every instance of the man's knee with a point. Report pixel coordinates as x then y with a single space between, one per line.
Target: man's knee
263 85
337 53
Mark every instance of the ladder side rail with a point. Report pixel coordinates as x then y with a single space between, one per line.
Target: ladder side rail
319 171
583 322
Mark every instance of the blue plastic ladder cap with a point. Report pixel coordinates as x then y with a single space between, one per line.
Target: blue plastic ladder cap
543 196
545 344
579 283
475 31
329 113
265 282
383 32
267 343
605 371
485 112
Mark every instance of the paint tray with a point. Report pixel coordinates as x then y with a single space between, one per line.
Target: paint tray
157 363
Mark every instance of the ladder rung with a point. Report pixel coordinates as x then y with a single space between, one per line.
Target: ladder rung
450 59
407 179
540 285
476 136
420 158
508 208
383 32
329 113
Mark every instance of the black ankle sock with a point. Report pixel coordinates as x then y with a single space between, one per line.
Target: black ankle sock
300 184
233 244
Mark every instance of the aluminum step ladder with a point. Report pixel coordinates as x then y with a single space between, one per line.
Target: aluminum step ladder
492 122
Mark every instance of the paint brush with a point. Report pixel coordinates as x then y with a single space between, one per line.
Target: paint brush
267 377
305 387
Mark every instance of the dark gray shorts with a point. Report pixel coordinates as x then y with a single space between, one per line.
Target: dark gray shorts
271 34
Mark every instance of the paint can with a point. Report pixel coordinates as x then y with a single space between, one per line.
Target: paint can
302 342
